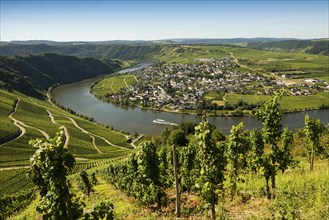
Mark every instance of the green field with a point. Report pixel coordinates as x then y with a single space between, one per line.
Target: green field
314 66
289 103
6 103
113 84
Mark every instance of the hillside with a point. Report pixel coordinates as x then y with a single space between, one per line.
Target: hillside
299 46
146 50
111 51
34 73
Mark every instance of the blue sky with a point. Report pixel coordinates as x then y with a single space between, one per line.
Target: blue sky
153 20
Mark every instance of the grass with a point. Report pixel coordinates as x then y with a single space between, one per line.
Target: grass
251 59
297 190
299 194
27 110
80 143
6 103
184 54
289 103
113 84
111 135
33 112
18 151
13 181
231 98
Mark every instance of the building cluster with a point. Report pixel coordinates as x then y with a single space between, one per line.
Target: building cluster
183 86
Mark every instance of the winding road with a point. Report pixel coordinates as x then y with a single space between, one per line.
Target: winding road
22 126
16 122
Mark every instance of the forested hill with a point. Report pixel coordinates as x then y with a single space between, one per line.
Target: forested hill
35 73
137 50
300 46
124 52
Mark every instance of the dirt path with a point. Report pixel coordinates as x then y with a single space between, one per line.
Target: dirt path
16 122
124 80
90 133
66 132
21 125
14 167
112 86
86 132
137 139
45 134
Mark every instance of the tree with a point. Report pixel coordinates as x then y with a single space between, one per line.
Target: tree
276 158
211 167
313 130
237 149
50 165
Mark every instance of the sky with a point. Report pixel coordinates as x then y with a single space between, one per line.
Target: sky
155 20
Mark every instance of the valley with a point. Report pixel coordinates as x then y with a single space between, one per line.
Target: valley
29 111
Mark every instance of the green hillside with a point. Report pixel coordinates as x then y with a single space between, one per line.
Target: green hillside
35 73
125 52
300 46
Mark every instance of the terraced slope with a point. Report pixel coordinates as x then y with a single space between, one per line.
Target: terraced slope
24 118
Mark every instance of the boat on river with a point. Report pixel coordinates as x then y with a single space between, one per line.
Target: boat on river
163 122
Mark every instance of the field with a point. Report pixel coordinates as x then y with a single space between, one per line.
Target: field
289 103
308 65
113 84
33 116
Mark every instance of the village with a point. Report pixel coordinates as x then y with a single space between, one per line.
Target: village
184 86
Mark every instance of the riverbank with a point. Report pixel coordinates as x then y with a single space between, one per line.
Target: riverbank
77 97
220 113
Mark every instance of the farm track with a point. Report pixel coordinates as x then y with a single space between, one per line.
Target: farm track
137 139
112 86
14 168
124 80
22 126
45 134
86 132
66 132
90 133
16 123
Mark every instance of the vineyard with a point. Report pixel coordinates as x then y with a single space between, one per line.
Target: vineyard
231 177
228 176
93 145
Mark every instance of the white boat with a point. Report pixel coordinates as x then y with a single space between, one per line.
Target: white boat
163 122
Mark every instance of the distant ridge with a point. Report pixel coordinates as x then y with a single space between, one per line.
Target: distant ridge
319 46
149 42
144 50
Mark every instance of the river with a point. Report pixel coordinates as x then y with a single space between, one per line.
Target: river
77 97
